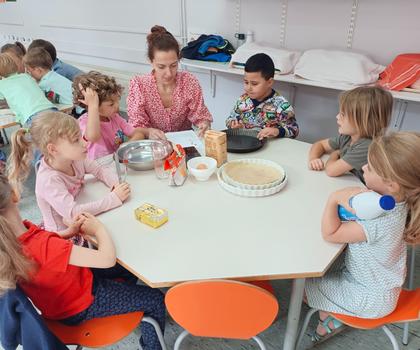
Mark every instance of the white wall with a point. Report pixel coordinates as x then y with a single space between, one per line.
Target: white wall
112 34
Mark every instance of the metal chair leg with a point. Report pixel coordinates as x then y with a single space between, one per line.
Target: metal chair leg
305 325
156 326
391 337
410 286
180 338
259 342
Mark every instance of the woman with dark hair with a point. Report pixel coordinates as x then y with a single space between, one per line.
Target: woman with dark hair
166 99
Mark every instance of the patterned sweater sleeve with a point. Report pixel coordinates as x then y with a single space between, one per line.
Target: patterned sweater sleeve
235 114
137 115
198 111
287 124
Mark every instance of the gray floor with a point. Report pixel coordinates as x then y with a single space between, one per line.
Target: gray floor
273 337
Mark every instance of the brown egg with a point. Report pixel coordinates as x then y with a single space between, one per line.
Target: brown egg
201 166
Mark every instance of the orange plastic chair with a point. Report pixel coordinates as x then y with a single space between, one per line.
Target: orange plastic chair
103 331
407 310
221 309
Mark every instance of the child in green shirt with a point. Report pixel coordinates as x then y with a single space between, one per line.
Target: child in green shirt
21 92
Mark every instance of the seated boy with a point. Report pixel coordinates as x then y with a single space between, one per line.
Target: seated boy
261 106
57 88
62 68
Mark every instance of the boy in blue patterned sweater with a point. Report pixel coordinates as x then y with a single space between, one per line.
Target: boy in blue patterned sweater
261 106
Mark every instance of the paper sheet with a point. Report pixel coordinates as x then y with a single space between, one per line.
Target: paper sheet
186 138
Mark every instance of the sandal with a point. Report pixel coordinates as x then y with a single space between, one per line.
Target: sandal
338 327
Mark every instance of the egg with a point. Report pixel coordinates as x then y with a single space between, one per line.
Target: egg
201 166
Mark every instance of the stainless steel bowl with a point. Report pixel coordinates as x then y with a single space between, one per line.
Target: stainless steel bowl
138 155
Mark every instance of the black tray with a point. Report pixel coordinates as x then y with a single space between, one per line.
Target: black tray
243 140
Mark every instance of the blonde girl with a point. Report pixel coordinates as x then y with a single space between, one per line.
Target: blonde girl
67 282
61 171
369 281
365 113
16 50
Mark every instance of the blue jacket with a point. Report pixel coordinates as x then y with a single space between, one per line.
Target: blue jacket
21 324
199 49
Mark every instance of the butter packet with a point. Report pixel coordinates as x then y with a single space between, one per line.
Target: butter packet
151 215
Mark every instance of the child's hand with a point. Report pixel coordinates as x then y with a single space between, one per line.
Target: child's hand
122 190
341 197
236 124
90 225
74 227
316 164
268 132
90 96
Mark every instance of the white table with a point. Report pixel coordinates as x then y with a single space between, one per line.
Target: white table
214 234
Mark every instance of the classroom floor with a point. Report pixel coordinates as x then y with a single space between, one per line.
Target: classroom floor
273 337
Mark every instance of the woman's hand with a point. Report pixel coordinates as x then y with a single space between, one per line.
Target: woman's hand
268 132
122 190
90 97
155 134
203 126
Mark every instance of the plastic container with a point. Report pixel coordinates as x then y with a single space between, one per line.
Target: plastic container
367 205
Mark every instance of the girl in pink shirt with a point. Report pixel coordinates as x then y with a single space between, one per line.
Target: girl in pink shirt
102 127
62 170
166 99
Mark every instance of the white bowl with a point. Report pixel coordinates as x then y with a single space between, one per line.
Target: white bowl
202 174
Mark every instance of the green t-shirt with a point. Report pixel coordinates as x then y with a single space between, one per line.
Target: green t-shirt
23 96
60 86
355 154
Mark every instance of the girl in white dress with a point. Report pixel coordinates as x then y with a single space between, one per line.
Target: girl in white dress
368 282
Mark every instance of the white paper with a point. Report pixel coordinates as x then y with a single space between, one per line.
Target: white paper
186 138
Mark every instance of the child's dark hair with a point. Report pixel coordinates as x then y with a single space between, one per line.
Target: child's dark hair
46 45
162 40
105 86
38 57
262 63
17 48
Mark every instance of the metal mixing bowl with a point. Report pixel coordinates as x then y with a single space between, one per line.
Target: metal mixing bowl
138 155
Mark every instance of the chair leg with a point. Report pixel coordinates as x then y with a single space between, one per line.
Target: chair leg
156 326
391 337
305 325
259 342
410 286
180 339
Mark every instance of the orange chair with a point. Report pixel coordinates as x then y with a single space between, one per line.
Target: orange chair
221 309
103 331
407 309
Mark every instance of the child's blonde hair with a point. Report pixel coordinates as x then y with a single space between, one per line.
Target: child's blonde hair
38 57
369 109
105 86
395 157
7 65
46 129
14 266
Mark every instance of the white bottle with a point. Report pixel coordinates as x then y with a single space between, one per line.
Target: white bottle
249 37
369 205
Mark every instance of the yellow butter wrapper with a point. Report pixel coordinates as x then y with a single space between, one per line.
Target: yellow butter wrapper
151 215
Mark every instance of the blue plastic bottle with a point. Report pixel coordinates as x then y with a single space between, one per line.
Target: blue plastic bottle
367 205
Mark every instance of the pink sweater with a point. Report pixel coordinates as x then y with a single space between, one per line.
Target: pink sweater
145 108
56 193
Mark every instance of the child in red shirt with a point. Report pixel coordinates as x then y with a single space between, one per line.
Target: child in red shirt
67 282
